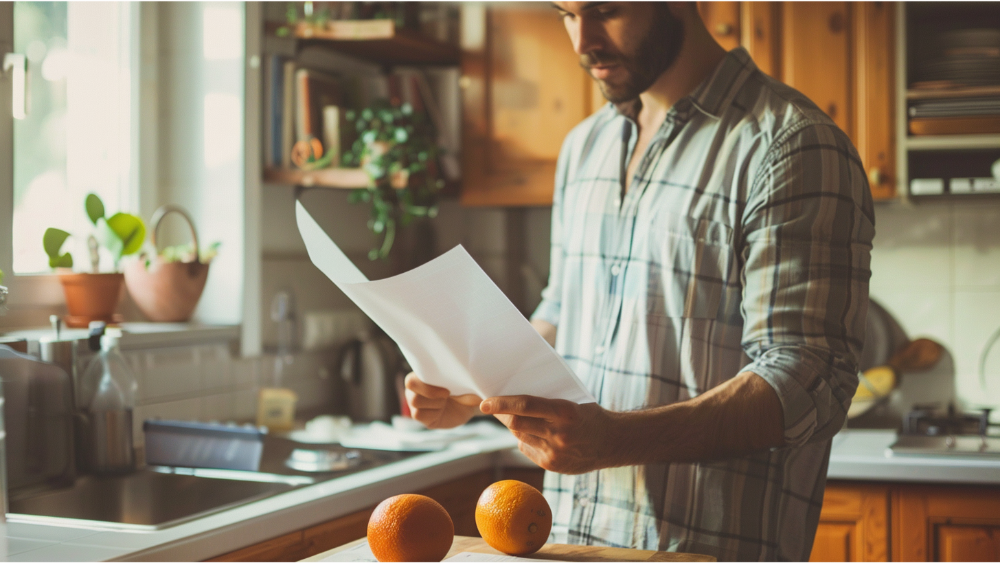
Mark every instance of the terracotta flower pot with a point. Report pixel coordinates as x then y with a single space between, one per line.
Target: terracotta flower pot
91 297
166 291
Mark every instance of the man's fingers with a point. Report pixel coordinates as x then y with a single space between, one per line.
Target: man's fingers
470 400
523 405
413 383
526 425
416 400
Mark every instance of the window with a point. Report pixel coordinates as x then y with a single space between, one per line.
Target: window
78 134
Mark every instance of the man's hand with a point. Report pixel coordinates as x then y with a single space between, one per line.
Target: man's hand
435 406
558 435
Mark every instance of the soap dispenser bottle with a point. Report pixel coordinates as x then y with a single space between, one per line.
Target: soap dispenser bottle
110 408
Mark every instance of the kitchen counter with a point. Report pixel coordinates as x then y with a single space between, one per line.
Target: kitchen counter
856 455
860 455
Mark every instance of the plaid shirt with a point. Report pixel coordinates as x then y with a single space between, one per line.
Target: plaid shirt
742 244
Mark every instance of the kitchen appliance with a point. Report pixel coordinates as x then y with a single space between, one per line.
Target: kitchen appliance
927 429
369 365
38 417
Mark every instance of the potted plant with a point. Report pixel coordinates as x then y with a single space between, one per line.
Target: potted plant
93 296
396 148
167 284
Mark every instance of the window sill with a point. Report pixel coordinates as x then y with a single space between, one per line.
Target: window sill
143 336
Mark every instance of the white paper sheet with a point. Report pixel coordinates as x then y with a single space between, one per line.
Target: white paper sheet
453 324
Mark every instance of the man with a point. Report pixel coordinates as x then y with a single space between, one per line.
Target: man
711 233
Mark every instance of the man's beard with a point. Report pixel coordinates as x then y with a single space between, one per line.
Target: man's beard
656 52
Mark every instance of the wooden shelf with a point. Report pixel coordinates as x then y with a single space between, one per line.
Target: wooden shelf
377 41
342 178
944 93
952 142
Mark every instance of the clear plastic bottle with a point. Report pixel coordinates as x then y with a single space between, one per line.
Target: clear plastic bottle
110 408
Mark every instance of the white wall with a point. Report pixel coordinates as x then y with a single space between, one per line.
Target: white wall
936 268
199 140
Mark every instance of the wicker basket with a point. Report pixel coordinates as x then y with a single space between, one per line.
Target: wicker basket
167 291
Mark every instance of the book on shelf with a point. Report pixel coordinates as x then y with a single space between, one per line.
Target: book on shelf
274 107
314 91
287 113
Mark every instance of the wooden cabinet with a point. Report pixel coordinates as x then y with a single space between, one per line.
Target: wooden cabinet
897 522
946 523
854 524
842 56
522 92
723 21
458 497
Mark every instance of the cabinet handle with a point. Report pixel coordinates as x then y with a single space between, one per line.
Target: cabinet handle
836 22
875 176
723 29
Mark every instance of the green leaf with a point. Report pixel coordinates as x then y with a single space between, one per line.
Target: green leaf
53 240
401 135
64 261
368 137
406 108
130 229
94 206
109 239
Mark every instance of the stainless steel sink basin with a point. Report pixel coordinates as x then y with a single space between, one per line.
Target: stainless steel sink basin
145 500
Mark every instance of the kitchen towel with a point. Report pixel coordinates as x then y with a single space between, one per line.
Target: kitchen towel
451 322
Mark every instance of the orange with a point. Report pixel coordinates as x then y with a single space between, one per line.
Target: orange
410 528
513 517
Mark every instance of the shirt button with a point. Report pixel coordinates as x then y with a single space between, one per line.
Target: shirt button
599 350
615 270
584 501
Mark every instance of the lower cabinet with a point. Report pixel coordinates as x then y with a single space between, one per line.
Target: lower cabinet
947 523
458 497
900 522
854 524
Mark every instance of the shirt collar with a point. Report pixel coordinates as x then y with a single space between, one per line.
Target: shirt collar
715 93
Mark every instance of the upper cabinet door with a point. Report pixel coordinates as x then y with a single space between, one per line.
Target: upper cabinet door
522 92
723 21
816 56
841 55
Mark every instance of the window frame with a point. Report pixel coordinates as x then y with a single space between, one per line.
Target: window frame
33 297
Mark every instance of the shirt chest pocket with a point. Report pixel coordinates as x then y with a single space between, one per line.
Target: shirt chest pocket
693 269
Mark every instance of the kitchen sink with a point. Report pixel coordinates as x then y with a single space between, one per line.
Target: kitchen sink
159 497
144 500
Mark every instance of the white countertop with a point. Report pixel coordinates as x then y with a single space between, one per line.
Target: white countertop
856 455
860 455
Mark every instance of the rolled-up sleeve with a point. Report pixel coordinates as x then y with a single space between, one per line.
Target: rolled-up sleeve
807 236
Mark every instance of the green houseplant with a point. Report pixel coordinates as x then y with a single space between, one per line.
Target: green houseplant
93 295
396 148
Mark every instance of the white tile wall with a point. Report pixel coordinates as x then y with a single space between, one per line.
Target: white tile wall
936 269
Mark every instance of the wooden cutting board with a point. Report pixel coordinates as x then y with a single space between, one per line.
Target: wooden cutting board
553 552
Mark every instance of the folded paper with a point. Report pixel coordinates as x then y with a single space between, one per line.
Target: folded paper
451 322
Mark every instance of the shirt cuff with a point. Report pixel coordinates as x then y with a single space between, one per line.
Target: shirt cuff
813 399
547 311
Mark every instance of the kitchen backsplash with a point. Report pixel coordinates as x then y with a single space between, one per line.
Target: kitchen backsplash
207 383
936 269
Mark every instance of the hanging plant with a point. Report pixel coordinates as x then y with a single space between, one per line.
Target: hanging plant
396 148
